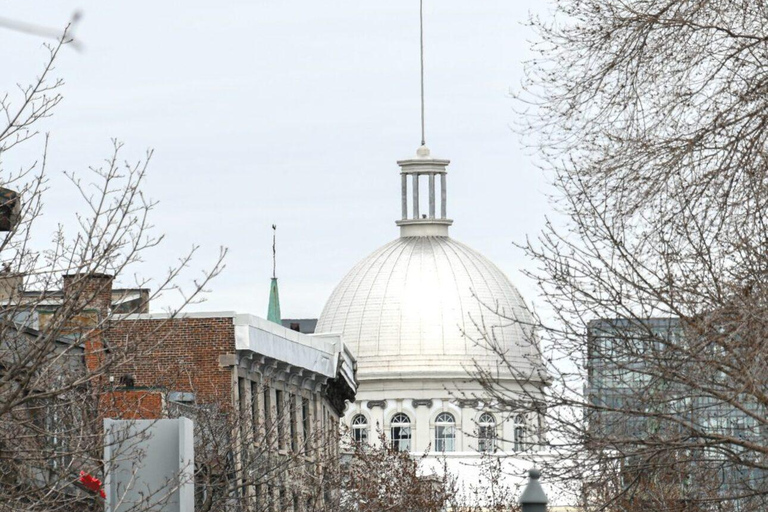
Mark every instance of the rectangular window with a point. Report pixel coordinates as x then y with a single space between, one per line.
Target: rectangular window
486 438
55 420
268 416
242 404
306 424
255 407
244 413
360 434
401 438
280 419
294 431
519 442
444 438
334 440
327 431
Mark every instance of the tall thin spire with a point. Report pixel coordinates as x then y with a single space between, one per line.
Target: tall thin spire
274 251
273 311
421 56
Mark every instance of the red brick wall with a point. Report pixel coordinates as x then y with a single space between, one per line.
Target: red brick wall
177 355
132 404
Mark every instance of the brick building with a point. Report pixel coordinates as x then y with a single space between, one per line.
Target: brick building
286 390
221 357
266 399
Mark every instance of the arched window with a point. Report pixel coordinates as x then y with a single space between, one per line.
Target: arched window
400 432
445 432
519 431
486 433
360 429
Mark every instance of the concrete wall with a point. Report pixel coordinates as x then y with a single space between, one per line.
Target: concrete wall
150 463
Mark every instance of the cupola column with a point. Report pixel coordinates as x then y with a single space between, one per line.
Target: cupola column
443 197
404 180
415 196
431 195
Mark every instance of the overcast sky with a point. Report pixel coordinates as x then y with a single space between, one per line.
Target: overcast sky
290 112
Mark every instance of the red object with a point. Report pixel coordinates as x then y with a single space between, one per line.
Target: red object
92 483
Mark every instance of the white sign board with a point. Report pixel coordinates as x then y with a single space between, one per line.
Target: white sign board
149 465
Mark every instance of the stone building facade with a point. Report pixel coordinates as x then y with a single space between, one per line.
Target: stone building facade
425 315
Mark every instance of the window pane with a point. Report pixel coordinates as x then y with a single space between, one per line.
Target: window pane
360 434
519 439
401 438
360 428
486 433
444 438
400 432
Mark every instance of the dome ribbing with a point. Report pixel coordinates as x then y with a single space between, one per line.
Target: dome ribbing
415 307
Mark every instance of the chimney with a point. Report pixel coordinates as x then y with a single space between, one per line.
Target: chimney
11 286
90 291
90 297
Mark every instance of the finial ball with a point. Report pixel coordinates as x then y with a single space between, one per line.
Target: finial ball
534 473
422 152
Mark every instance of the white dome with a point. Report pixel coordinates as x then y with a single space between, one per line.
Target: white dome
413 307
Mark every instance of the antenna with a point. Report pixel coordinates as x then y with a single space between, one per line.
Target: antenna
421 53
274 251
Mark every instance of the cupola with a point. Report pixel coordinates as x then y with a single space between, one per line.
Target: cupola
412 172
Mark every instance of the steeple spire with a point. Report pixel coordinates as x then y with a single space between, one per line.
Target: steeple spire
273 311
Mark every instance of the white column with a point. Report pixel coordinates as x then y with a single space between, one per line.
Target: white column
431 196
443 196
415 196
404 180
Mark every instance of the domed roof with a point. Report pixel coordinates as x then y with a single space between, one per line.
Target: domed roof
417 307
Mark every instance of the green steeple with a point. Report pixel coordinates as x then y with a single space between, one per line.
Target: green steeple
273 315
